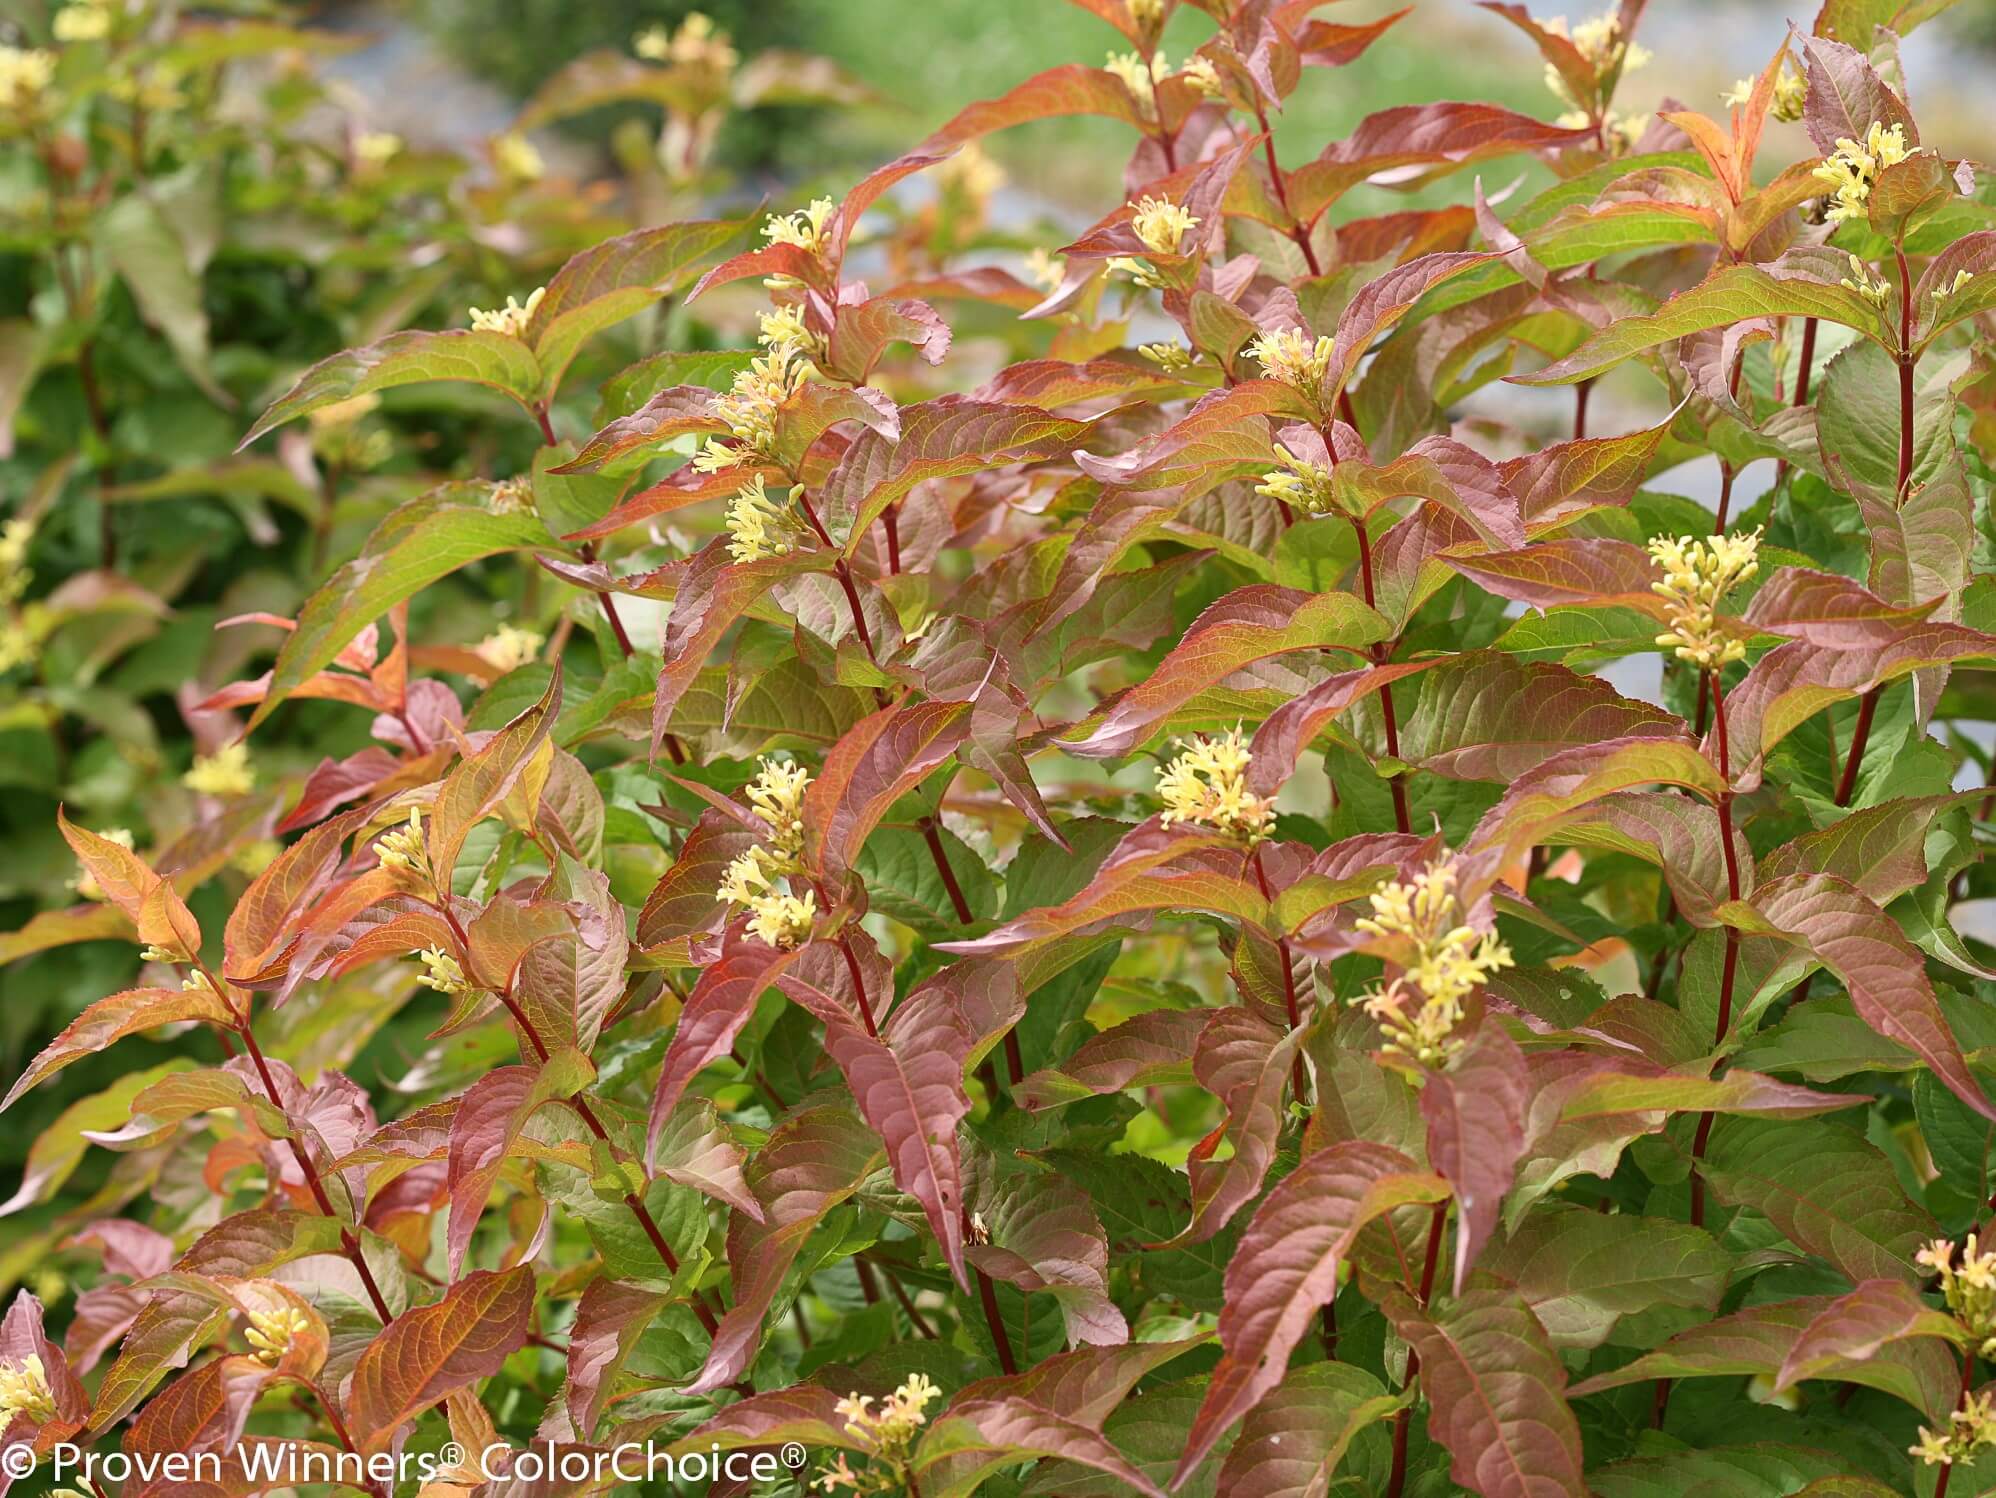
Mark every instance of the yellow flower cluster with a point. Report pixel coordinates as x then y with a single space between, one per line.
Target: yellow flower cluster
1791 93
226 772
513 496
270 1333
24 1390
1161 224
1697 575
1172 358
1878 292
83 21
1291 357
1968 1286
85 883
1147 14
1299 483
1970 1428
778 917
1600 41
1961 279
750 408
1854 166
971 173
1204 78
1448 960
518 159
783 332
805 229
405 853
1135 75
511 318
1046 268
508 648
376 147
755 524
25 72
886 1434
1207 783
441 971
698 42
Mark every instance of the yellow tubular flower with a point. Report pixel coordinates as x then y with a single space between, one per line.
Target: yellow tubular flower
1161 224
1207 783
783 332
783 920
441 971
749 876
1697 575
753 522
971 172
1172 358
1292 358
511 318
85 883
270 1333
1204 78
1961 279
25 74
750 408
518 159
805 230
24 1390
1147 14
1135 75
1419 1010
777 794
226 772
1878 292
509 648
404 853
84 21
1791 92
1299 483
376 147
1046 268
1854 166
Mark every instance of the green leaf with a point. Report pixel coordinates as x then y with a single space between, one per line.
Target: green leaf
497 360
1582 1271
424 540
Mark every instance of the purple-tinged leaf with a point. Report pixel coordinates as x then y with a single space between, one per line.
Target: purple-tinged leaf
1475 1115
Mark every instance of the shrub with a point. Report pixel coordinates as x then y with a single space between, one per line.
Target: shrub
900 986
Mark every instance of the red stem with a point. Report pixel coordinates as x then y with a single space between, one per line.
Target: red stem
1398 1481
1967 1383
1296 230
1732 958
1866 709
1297 1076
1808 360
1580 394
858 986
1380 654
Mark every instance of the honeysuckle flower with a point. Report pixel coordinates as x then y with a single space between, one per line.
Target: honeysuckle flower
1878 292
270 1333
1172 358
1968 1285
82 21
226 772
1161 224
1148 16
25 74
698 41
1600 41
376 147
783 332
1299 483
755 524
782 920
518 159
1204 77
777 794
750 408
441 971
887 1435
513 495
403 851
804 229
1447 961
1698 572
508 648
1207 783
511 318
1961 279
1791 92
1854 166
1971 1427
1046 268
1135 75
24 1390
1293 358
85 883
